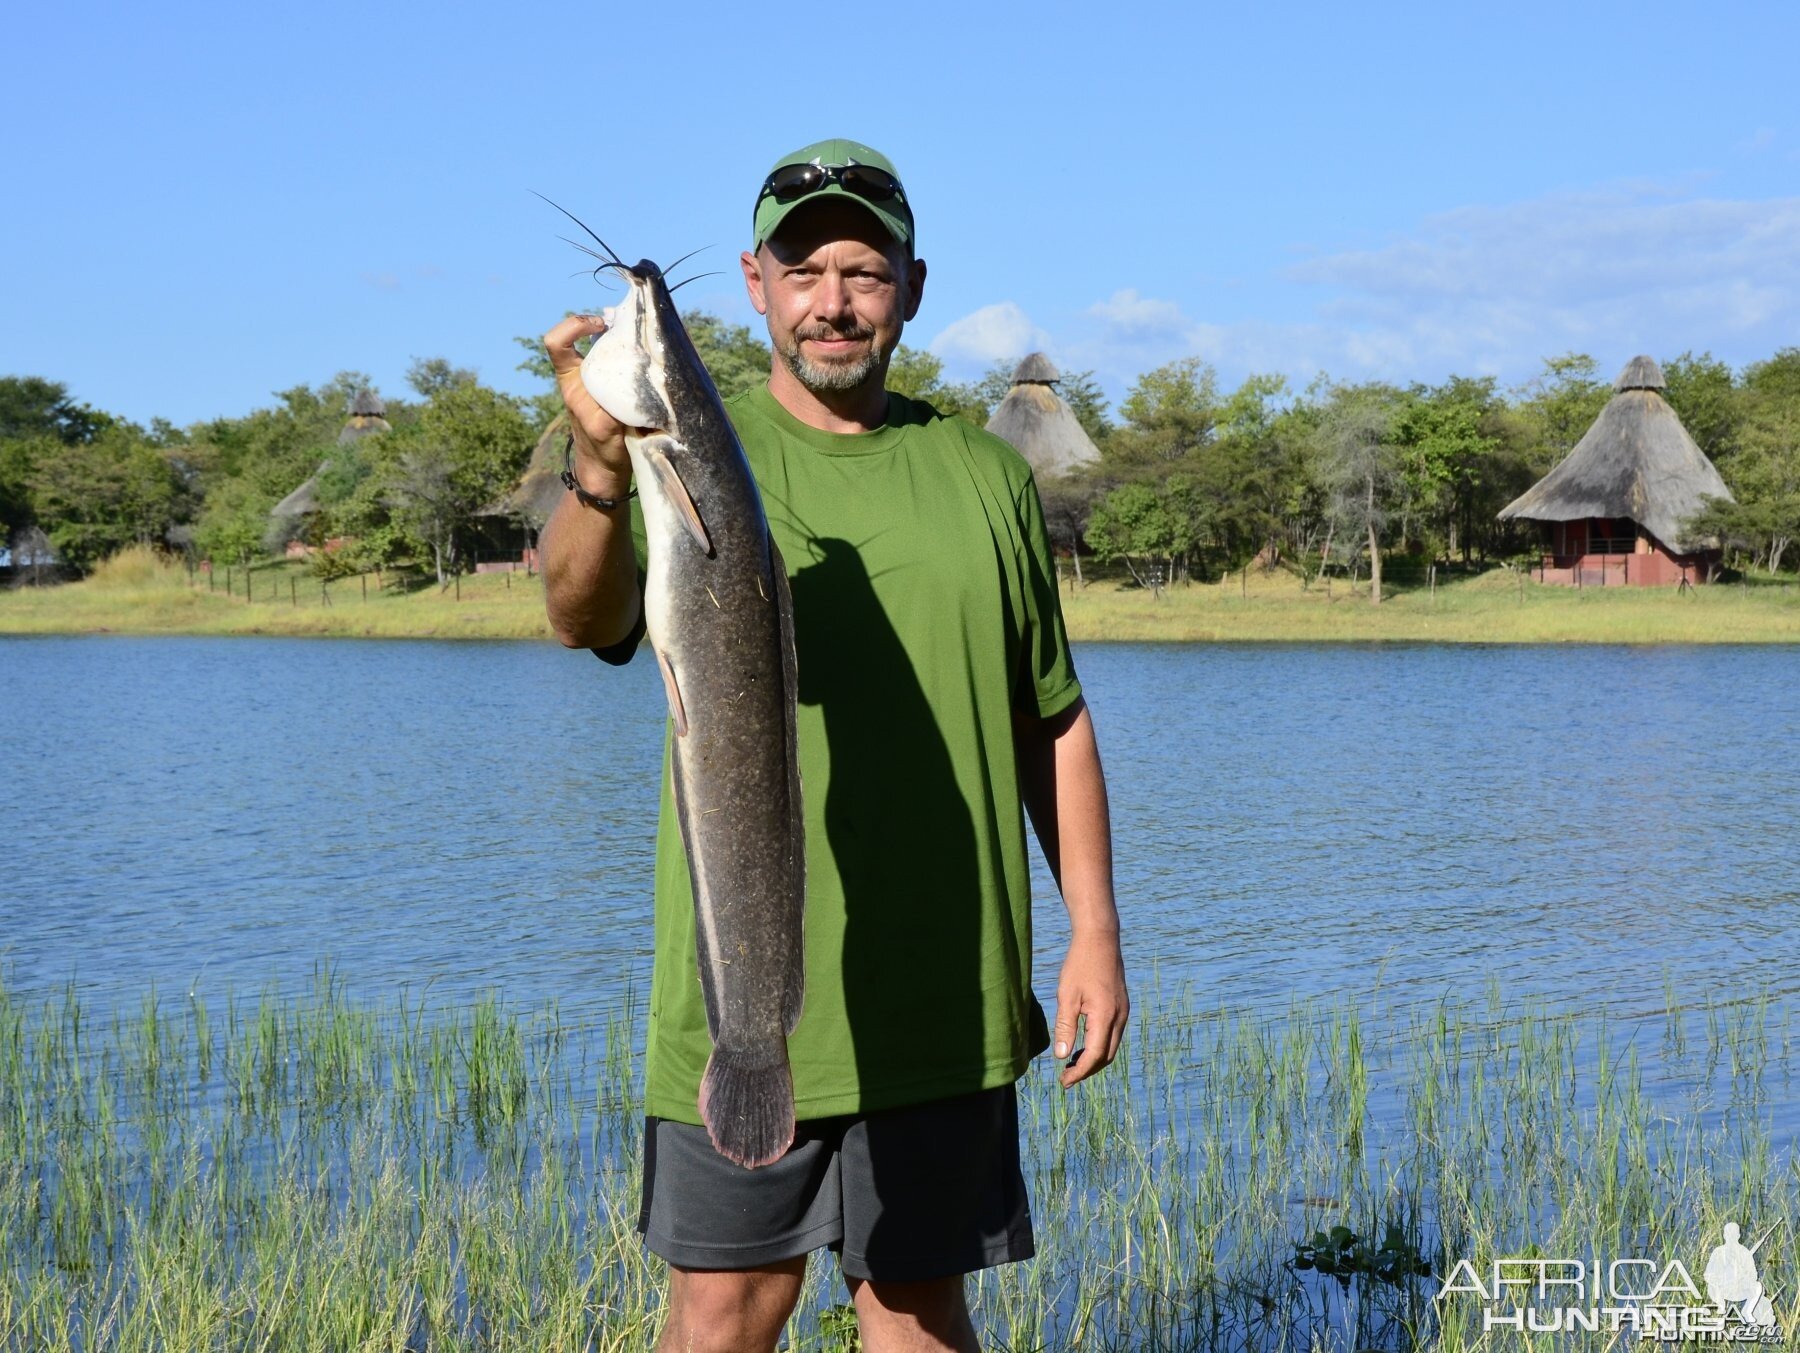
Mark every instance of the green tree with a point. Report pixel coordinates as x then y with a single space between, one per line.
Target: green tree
277 448
1763 470
1088 402
31 406
1141 521
428 375
1446 439
918 374
468 446
1253 473
736 359
1561 404
1706 399
233 523
93 498
1169 414
1362 465
1068 501
18 462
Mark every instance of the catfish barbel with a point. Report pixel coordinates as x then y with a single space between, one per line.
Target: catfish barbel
721 619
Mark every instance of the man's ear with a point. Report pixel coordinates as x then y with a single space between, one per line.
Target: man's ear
915 287
753 284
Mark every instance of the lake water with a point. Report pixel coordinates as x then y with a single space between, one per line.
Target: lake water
1586 825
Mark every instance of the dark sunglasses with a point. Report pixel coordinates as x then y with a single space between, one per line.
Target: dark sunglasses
793 181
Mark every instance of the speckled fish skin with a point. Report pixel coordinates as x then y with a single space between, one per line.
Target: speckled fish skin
719 615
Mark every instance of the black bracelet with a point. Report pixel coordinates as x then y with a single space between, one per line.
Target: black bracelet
574 485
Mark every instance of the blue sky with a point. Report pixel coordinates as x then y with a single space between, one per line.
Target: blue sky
212 203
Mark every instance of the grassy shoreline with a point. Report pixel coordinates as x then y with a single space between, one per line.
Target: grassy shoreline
324 1172
137 596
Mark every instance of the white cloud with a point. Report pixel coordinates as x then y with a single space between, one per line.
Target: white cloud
1627 268
1128 314
994 333
1616 271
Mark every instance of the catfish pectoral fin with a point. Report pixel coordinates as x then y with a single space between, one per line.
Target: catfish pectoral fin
677 710
656 450
747 1104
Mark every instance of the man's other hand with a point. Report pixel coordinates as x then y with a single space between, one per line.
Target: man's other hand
1092 985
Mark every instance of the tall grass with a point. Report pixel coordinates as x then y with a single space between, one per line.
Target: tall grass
136 567
135 593
312 1173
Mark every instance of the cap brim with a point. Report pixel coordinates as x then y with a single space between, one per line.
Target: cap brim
770 214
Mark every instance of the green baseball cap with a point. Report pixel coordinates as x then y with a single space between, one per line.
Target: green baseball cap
894 212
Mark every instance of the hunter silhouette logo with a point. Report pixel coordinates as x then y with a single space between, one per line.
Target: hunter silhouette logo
1660 1302
1731 1278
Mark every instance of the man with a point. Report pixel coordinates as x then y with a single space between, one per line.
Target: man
936 695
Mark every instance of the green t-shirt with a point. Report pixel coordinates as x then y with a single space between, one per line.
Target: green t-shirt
925 611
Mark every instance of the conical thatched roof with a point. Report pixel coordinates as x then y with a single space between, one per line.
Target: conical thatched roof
367 415
366 418
303 499
1641 373
540 488
1039 422
1636 461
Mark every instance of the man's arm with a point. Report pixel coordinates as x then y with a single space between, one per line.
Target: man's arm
590 572
1064 790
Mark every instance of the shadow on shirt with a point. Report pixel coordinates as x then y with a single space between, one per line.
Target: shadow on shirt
901 836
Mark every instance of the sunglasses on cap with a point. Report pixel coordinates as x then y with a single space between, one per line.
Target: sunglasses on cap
793 181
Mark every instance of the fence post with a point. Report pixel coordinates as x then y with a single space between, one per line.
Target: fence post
365 583
293 592
458 576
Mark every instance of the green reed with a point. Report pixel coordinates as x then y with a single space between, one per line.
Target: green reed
316 1173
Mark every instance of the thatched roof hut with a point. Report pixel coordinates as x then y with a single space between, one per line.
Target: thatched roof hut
302 500
1039 422
368 415
1636 462
540 488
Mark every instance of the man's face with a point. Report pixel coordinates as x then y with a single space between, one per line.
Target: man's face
836 289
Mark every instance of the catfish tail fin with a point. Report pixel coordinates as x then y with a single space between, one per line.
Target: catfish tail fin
747 1104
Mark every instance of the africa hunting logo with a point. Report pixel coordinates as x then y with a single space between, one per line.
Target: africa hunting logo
1659 1302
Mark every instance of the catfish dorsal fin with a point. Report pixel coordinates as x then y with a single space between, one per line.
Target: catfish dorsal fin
656 452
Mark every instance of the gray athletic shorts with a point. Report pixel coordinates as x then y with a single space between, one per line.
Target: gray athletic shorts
900 1195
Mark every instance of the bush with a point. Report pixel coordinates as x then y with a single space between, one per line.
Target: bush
138 566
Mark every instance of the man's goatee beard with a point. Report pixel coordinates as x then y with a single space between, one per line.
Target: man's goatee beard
831 376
